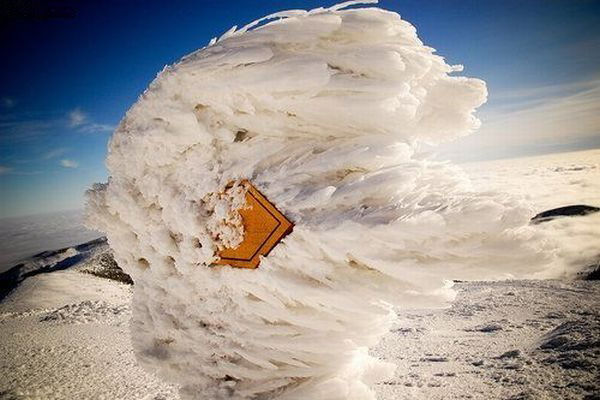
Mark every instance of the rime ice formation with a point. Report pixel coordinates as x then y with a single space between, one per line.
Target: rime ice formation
321 111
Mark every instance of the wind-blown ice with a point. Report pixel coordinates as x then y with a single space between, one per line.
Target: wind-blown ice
321 110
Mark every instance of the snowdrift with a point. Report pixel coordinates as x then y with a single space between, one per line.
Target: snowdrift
322 111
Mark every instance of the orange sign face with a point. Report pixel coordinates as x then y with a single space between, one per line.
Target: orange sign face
264 227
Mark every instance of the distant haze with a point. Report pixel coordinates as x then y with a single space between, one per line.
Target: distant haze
22 237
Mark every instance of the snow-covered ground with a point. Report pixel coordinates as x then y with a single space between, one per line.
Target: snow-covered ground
499 340
65 336
65 333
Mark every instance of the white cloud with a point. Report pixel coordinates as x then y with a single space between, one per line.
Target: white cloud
559 118
29 126
66 163
81 121
93 127
551 116
77 118
4 170
18 129
55 153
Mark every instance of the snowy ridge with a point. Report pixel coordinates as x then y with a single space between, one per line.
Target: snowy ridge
23 237
48 261
322 111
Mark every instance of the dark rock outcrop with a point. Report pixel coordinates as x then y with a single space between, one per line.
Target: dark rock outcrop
567 211
105 266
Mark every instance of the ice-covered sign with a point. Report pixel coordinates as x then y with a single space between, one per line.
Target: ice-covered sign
264 226
322 111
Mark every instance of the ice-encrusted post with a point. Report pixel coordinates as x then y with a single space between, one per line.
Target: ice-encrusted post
330 103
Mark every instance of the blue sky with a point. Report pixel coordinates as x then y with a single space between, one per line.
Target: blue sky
66 82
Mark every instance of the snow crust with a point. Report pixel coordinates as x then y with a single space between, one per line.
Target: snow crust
322 110
499 340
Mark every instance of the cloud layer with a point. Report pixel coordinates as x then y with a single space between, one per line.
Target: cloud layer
69 163
81 121
536 119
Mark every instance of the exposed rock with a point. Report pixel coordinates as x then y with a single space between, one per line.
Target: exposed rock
567 211
105 266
